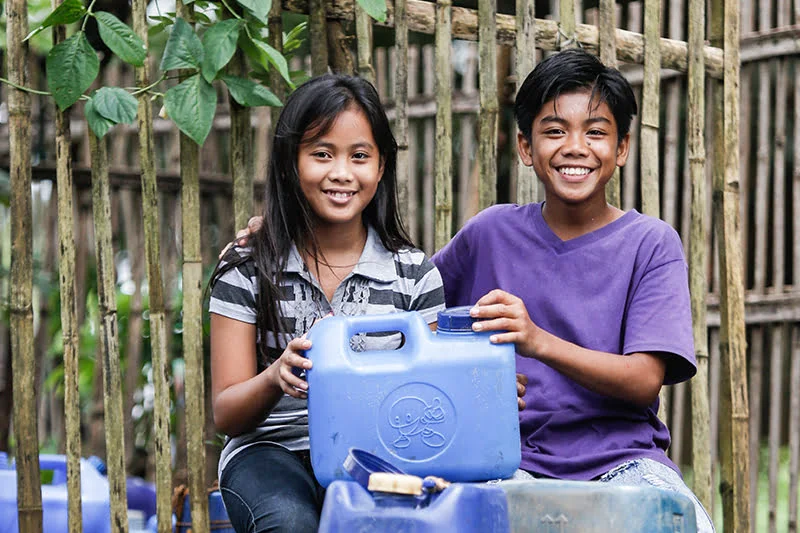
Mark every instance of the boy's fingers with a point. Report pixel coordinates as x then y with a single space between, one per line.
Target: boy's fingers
522 378
492 311
225 250
254 224
520 404
495 296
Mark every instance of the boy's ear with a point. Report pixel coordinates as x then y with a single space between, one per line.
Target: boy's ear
524 149
623 148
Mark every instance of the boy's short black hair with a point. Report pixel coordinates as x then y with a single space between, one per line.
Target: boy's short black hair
568 71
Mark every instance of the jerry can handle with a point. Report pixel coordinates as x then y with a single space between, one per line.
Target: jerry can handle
409 323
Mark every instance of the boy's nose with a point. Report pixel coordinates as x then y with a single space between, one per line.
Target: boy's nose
575 145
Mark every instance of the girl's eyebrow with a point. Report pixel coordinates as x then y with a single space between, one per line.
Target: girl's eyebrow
330 145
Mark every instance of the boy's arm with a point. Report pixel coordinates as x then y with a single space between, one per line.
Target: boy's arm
635 377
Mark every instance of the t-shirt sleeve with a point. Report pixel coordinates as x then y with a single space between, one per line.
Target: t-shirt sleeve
428 294
234 295
659 318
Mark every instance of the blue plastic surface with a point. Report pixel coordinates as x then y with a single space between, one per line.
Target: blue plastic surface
592 507
443 405
462 507
141 496
455 319
216 514
95 507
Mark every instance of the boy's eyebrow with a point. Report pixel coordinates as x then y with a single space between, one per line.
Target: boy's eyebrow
590 120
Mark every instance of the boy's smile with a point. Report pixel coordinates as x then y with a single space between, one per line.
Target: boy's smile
574 148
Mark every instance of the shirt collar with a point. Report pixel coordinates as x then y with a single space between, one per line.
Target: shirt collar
376 262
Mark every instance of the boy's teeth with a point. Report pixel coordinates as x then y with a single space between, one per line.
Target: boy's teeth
575 171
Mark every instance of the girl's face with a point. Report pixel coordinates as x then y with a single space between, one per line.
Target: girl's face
339 171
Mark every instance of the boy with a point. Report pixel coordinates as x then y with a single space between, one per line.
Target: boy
595 299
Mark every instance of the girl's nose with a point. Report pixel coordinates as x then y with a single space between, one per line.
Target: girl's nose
340 171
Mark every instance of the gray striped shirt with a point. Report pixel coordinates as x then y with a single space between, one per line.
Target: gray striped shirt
381 282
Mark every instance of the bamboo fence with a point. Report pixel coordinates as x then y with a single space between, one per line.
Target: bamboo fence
743 274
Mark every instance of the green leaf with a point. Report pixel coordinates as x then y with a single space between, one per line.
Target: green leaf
99 124
249 93
121 39
115 104
184 49
191 105
374 8
276 59
72 66
257 8
67 13
219 45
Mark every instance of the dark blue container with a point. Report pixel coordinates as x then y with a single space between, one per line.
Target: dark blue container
95 507
442 404
592 507
217 514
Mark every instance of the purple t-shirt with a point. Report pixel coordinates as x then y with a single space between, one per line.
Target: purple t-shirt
620 289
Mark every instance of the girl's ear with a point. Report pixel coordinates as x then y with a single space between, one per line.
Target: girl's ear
525 149
623 149
381 168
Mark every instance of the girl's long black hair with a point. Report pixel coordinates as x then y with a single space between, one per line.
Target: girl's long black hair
288 217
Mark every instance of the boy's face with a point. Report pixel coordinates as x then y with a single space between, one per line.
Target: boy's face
574 148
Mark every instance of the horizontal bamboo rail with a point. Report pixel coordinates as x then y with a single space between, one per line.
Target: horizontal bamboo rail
630 45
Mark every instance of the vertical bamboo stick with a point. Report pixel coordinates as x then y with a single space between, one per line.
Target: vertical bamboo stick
109 342
194 391
713 403
69 311
364 43
339 54
443 159
794 428
630 178
608 55
318 33
756 387
734 413
275 26
488 118
29 497
241 150
698 281
525 60
650 108
380 73
468 88
428 177
566 16
401 106
158 327
775 421
779 220
415 148
744 167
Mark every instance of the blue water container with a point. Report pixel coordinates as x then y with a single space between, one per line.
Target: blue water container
593 507
217 515
442 404
95 507
463 507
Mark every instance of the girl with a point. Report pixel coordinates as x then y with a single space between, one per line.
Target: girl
331 243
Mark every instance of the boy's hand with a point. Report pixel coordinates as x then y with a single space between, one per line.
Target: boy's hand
283 377
242 236
522 382
501 311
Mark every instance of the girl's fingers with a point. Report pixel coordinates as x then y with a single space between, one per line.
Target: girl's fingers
292 381
299 344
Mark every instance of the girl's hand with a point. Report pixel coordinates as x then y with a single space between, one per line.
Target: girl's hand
242 236
501 311
282 375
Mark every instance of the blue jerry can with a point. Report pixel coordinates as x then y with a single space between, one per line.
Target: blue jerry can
217 515
95 507
543 506
442 404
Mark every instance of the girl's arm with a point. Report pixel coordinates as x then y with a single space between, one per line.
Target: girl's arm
241 397
635 377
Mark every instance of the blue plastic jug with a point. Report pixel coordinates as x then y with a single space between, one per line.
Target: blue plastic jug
592 507
95 507
463 507
217 515
442 404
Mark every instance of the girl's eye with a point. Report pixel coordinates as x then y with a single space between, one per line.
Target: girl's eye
320 154
360 155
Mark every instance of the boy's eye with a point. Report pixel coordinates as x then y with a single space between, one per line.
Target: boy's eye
554 131
596 133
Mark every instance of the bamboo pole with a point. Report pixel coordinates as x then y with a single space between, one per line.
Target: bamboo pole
194 391
488 118
566 17
29 497
428 176
775 421
525 60
241 150
779 220
756 386
401 108
109 343
158 327
422 18
339 54
363 43
318 33
650 110
443 160
794 428
698 281
608 55
69 311
414 149
275 27
467 143
734 455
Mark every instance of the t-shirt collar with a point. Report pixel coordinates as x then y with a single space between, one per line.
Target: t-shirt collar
376 262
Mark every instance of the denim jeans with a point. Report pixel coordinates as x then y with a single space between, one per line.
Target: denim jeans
266 487
650 472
